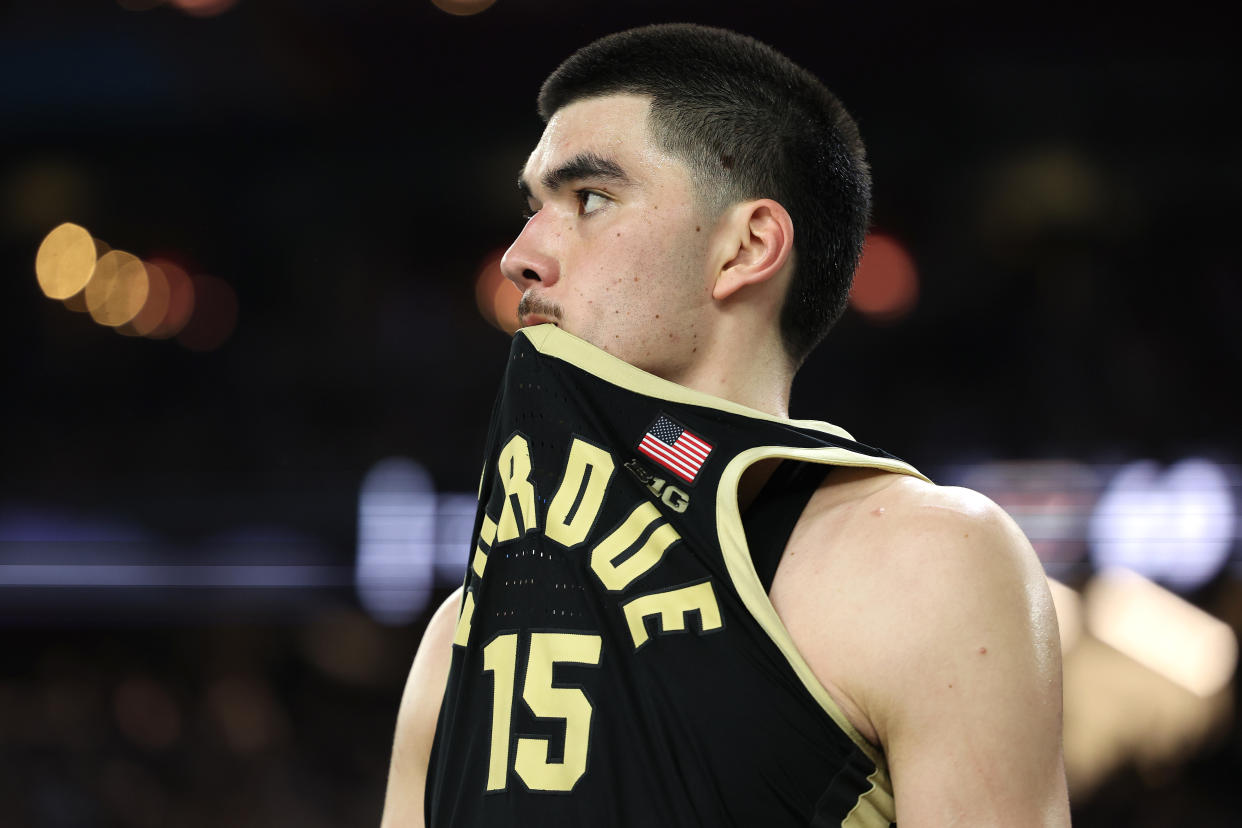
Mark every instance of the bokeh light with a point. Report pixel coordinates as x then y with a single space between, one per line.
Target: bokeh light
77 302
462 8
1175 526
396 540
194 8
180 300
65 261
1051 500
886 284
455 512
204 8
118 289
214 317
154 309
496 297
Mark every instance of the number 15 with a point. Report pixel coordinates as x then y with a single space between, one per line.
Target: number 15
544 700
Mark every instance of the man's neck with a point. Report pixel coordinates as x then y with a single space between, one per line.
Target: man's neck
760 378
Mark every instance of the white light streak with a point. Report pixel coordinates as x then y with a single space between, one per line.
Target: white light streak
1176 527
396 540
455 513
199 576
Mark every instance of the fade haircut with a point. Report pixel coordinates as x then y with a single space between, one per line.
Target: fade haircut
750 124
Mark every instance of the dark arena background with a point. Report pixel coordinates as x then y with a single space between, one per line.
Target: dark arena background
253 325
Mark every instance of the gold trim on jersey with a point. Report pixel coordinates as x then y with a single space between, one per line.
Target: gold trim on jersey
746 581
875 806
552 341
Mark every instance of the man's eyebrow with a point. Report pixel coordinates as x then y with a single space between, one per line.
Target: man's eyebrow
582 165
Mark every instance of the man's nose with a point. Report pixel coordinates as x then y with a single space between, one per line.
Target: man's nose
530 260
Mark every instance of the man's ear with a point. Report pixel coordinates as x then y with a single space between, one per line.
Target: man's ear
759 241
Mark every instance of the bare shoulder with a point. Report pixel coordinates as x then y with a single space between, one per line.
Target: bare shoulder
921 506
873 505
953 530
912 560
884 532
958 562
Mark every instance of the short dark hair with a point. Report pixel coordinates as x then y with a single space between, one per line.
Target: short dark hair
750 123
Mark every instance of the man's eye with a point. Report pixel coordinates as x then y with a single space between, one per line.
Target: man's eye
589 202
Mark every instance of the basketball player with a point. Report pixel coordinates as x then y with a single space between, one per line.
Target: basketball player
683 608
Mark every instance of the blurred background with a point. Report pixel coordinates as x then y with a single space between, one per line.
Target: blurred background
252 332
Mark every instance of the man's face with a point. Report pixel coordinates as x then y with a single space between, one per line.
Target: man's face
616 251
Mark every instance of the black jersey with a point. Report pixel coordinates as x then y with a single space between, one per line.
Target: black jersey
617 661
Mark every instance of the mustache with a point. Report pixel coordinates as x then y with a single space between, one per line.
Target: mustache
532 303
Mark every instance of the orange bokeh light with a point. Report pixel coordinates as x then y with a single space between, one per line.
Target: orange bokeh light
496 297
154 309
204 8
180 300
505 304
886 284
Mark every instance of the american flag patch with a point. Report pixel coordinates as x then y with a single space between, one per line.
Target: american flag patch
675 448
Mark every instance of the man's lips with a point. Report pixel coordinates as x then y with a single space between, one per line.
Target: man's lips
529 319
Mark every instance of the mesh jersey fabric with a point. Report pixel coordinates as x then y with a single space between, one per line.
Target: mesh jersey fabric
616 660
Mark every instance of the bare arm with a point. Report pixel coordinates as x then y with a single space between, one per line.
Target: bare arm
970 718
952 661
416 720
